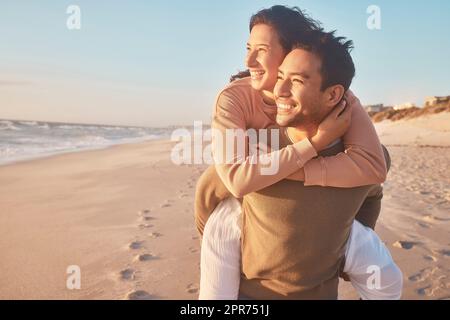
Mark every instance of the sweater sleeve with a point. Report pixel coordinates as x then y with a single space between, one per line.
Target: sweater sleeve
243 171
362 162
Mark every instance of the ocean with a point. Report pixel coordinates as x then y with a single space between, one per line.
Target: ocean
23 140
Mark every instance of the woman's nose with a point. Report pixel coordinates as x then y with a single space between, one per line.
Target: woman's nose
250 60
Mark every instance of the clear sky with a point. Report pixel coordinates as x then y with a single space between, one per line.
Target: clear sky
157 63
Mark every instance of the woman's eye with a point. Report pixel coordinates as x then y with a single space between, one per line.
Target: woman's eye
279 78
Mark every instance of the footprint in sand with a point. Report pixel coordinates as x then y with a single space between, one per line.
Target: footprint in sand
165 205
195 237
147 218
192 288
193 250
139 295
127 274
143 212
183 195
431 218
404 244
434 279
424 274
135 245
444 252
424 225
430 290
420 276
425 291
155 235
145 226
430 258
144 257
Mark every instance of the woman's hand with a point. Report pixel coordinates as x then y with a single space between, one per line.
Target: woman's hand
333 126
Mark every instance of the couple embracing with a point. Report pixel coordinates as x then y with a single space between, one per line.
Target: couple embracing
291 234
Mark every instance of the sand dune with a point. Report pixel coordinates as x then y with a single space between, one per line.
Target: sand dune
432 130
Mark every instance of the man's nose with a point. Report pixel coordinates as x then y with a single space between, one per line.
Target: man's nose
250 59
282 89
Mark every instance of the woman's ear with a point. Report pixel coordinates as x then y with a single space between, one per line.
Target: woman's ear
334 94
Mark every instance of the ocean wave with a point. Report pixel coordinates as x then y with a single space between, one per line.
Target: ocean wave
34 139
68 127
29 123
8 125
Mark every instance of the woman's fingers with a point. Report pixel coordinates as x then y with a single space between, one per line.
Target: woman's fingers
339 109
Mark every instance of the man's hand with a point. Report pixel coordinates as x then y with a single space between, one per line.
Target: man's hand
333 126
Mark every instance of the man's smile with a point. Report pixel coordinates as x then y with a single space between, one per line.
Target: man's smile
285 108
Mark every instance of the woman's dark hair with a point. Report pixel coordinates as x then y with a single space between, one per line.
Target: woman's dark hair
292 26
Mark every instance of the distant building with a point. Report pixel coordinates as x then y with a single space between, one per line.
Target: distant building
374 108
432 101
404 106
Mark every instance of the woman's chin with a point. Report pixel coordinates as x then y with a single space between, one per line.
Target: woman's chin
262 84
257 85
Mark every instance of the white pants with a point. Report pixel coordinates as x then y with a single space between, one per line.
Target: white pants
369 264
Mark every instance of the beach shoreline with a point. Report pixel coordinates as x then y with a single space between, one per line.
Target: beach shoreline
124 215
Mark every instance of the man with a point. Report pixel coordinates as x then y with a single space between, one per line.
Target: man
294 238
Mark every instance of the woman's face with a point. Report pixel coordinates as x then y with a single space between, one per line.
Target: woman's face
264 55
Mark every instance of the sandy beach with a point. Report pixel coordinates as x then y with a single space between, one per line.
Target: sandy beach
124 215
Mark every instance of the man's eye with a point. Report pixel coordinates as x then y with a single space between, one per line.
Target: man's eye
297 81
279 78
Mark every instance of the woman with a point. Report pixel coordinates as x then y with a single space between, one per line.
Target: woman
249 103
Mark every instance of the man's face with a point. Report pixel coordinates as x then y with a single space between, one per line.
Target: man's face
264 56
298 92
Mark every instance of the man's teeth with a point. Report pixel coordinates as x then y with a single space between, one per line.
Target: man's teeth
285 106
256 74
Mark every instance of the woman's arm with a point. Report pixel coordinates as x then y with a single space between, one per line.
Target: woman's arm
362 162
242 172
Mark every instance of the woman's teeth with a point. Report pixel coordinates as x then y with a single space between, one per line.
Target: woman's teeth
256 74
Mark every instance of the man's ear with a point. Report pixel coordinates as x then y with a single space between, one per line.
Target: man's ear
334 94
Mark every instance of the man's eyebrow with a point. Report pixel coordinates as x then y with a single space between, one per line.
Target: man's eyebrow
259 44
301 74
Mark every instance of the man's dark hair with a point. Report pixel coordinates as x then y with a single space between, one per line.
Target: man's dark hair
334 52
292 26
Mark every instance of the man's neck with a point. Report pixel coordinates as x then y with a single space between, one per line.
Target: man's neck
299 133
